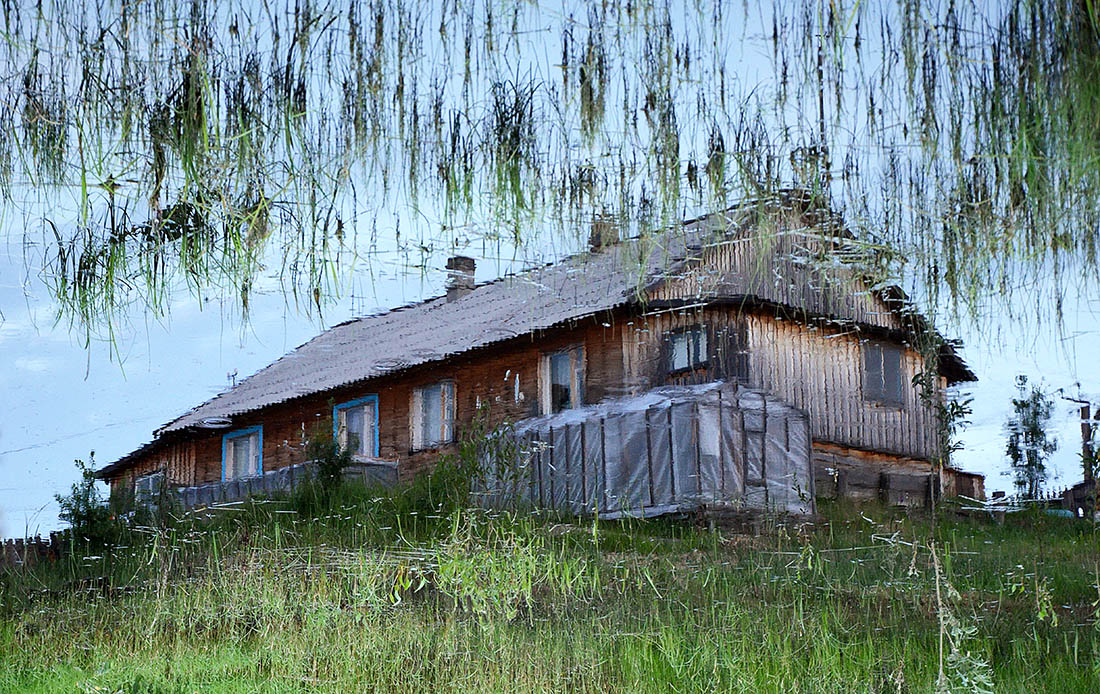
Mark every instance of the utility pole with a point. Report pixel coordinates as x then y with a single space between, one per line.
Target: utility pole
1089 424
1086 443
1088 464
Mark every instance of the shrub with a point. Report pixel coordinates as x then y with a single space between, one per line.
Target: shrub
446 488
1029 443
89 516
495 565
330 460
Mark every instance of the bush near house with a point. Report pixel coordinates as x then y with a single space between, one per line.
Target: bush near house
93 521
408 591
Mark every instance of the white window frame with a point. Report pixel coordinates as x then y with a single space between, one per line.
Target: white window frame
576 378
697 346
417 437
147 487
256 452
369 448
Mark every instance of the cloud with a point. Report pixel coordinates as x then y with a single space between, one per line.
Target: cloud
12 330
34 365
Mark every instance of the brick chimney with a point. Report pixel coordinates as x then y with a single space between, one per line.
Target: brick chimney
604 232
460 276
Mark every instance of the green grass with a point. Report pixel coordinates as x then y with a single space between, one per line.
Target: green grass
296 596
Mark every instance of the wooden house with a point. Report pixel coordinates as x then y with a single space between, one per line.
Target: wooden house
767 295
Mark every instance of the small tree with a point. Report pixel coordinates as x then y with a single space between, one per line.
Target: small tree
1090 452
87 513
330 458
1029 445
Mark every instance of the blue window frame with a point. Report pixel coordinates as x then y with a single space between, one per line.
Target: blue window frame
243 453
355 425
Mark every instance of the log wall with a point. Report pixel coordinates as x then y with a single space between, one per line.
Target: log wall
502 382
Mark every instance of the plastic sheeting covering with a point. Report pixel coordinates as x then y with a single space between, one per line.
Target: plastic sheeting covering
671 450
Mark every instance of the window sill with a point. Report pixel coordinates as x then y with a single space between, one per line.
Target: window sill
698 368
576 406
432 448
359 459
250 476
885 405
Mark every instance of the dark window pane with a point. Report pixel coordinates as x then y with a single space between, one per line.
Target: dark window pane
872 372
431 415
699 343
356 433
883 380
891 375
687 349
561 381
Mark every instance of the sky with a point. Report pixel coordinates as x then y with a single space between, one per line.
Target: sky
60 401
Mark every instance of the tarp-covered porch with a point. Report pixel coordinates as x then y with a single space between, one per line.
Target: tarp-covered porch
671 450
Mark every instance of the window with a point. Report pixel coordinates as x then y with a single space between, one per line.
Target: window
148 487
355 426
433 413
882 378
687 349
730 353
242 453
562 378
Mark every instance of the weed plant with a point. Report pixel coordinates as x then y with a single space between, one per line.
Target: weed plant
406 589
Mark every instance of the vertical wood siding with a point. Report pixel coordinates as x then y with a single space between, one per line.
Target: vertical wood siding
783 267
815 368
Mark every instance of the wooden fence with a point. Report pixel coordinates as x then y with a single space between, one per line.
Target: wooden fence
280 481
19 552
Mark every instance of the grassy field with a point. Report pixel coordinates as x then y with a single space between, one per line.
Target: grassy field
381 594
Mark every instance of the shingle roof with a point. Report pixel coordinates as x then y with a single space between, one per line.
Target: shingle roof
509 307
